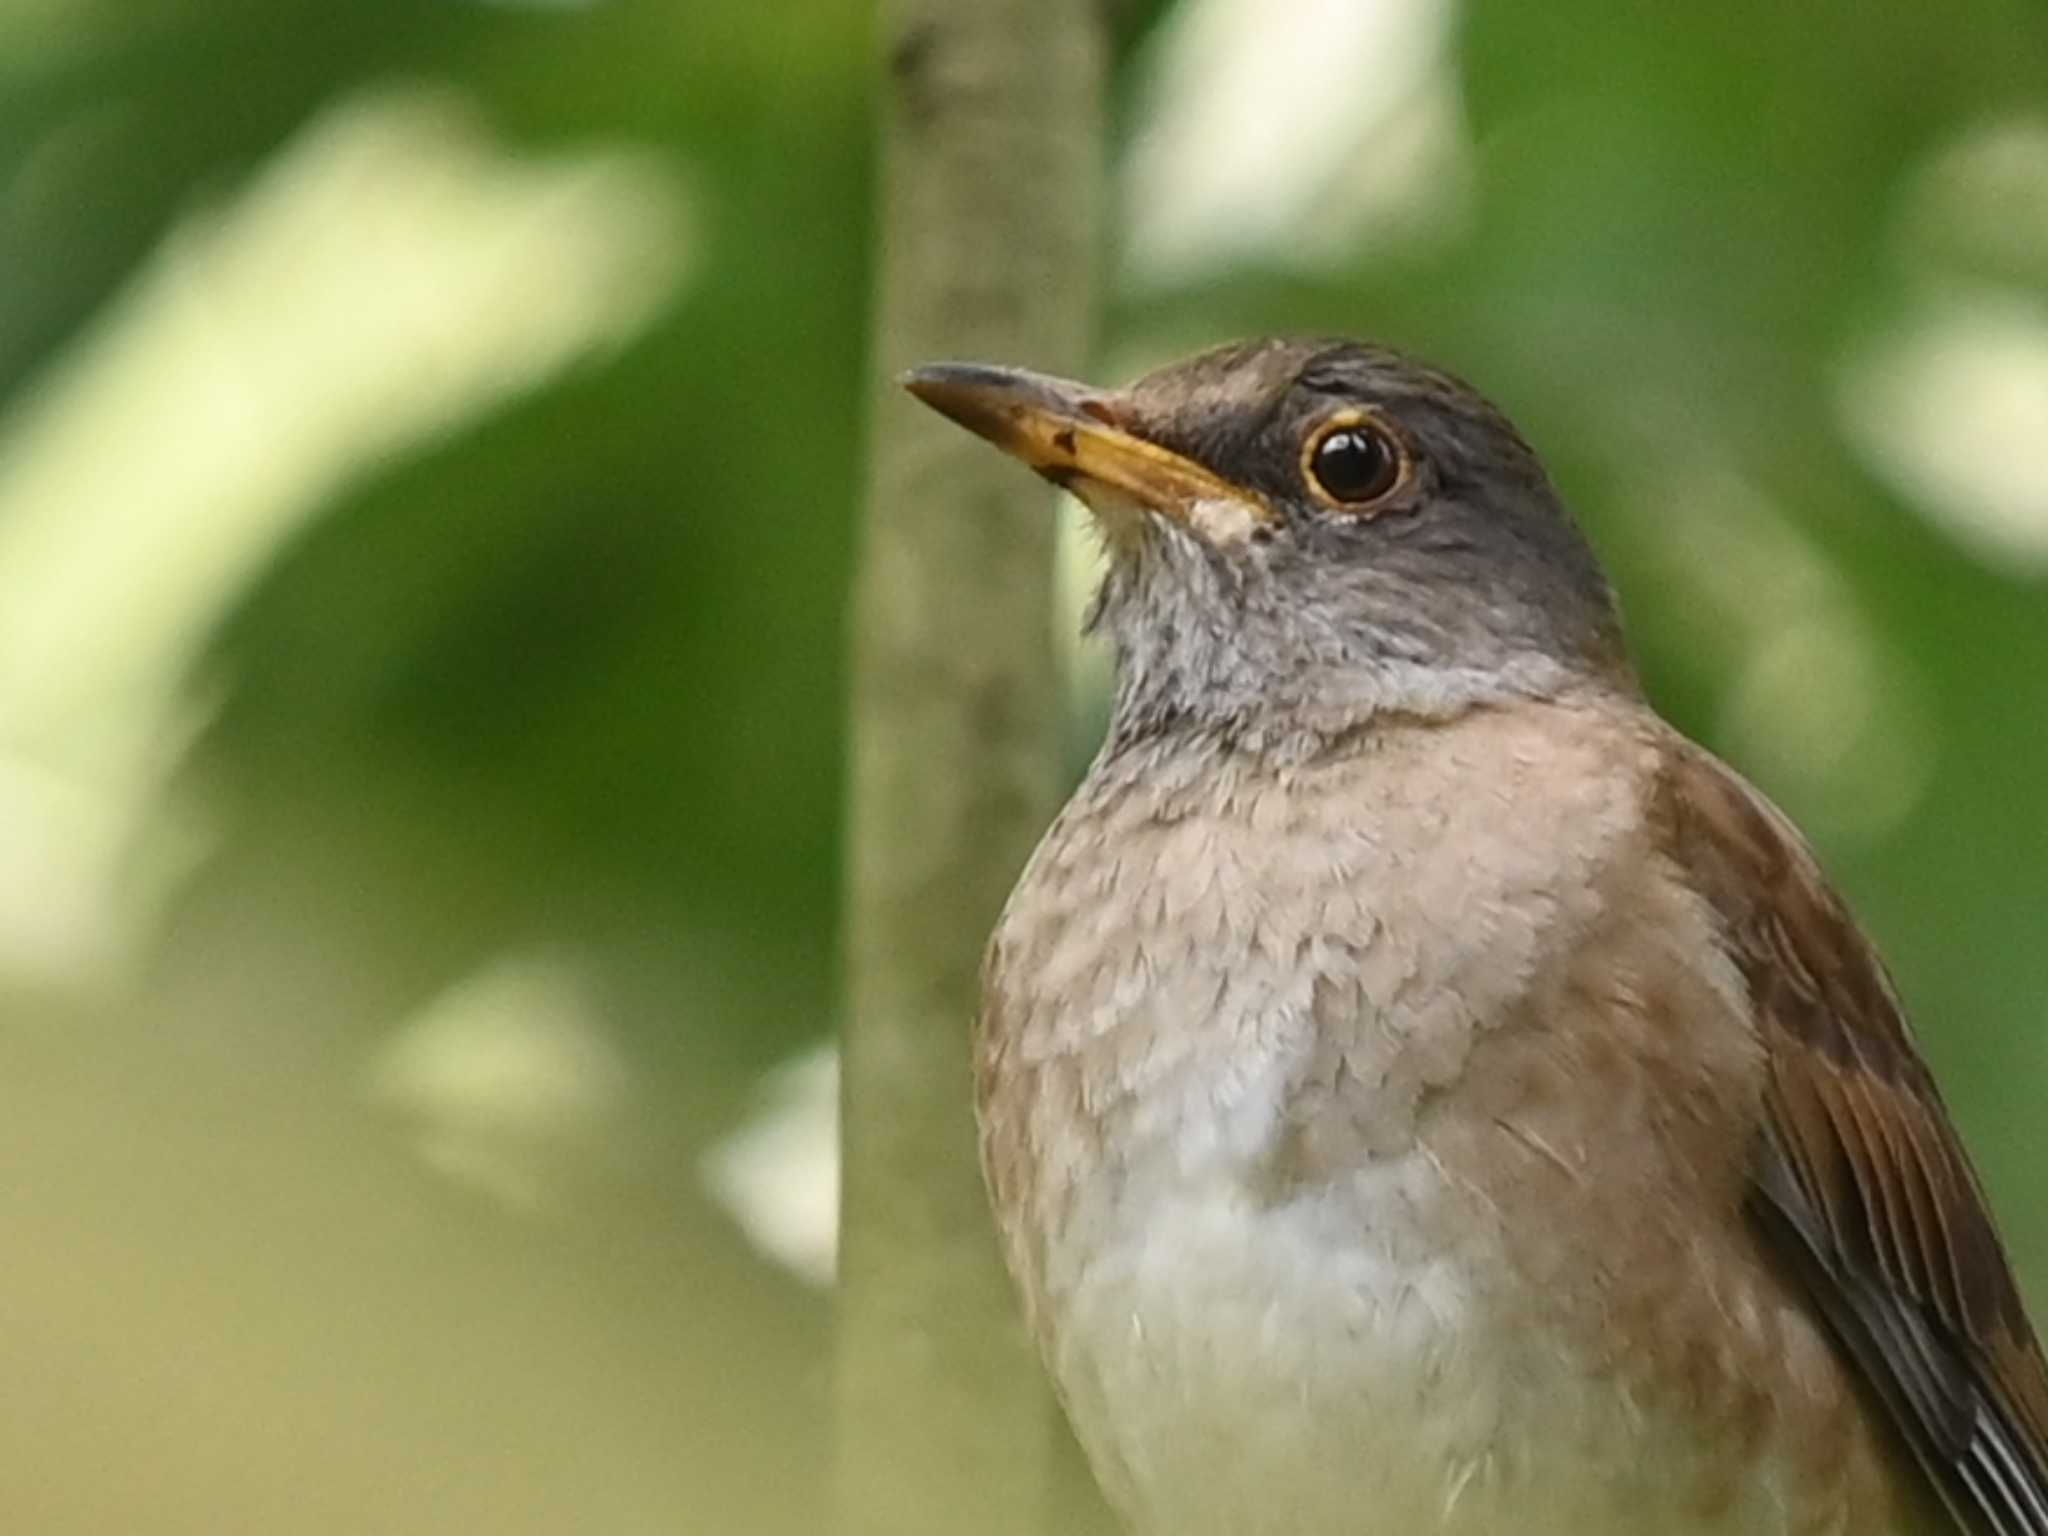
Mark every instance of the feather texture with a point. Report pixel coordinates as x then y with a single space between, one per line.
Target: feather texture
1859 1175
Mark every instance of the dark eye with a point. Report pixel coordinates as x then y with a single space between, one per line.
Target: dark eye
1354 461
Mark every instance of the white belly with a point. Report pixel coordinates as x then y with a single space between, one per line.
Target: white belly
1311 1369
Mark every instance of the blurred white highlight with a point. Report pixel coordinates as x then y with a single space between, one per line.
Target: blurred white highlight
1949 404
778 1175
1951 408
510 1079
1294 134
390 276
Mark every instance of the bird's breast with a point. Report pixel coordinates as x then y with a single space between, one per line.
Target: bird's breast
1219 975
1278 1070
1221 1002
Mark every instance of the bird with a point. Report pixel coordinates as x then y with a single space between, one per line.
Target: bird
1419 1090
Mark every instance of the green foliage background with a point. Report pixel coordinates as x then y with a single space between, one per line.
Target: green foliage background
563 677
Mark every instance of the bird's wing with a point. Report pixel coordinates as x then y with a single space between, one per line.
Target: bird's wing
1859 1177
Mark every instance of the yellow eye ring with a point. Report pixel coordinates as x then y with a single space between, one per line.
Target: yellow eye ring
1354 462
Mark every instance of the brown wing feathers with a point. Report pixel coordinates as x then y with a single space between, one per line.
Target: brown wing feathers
1860 1176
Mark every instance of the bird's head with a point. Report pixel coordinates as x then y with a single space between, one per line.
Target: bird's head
1307 533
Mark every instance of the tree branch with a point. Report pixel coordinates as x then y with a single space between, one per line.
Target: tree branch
987 249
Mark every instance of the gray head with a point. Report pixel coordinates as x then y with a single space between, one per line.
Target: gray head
1303 534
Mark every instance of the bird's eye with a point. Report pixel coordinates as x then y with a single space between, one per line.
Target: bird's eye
1354 461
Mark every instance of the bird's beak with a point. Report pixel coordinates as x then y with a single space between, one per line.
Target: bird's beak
1073 435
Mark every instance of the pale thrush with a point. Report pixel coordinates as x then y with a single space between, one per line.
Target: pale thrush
1419 1090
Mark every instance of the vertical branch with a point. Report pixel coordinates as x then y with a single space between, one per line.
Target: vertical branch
988 233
